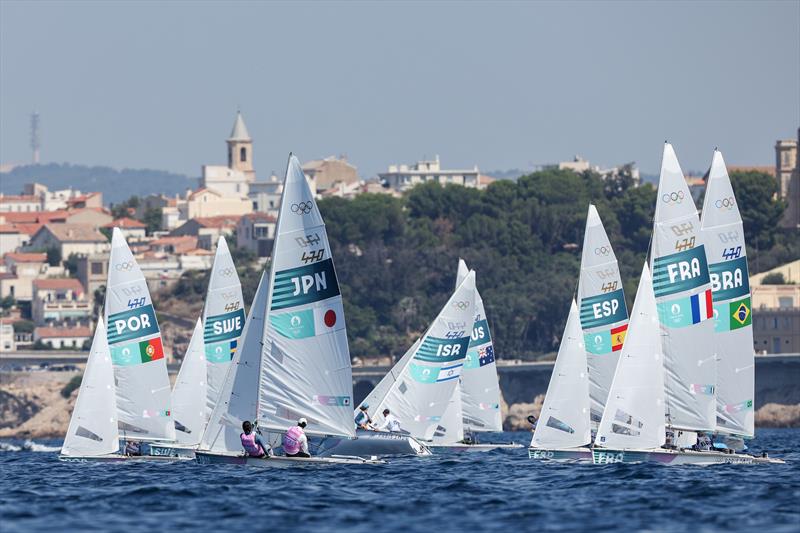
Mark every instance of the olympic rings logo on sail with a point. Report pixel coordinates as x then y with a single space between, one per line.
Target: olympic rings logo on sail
127 265
462 305
302 208
726 203
675 197
227 272
603 250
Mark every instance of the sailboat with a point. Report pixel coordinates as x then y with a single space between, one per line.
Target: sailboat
429 374
205 365
294 360
564 430
603 319
93 433
631 429
723 234
475 404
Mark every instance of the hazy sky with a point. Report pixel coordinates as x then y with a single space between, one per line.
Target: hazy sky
500 85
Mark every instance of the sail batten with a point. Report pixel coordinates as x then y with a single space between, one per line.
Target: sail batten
723 233
683 297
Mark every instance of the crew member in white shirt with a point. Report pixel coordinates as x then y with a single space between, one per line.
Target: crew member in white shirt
390 422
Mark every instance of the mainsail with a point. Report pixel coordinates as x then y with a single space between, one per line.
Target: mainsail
238 399
604 315
305 369
683 297
564 421
450 429
223 320
723 235
143 388
634 413
423 392
93 427
479 387
189 393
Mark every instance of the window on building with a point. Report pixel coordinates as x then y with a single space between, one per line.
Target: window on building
785 302
243 154
775 323
97 267
230 157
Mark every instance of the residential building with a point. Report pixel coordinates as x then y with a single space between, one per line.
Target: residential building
266 195
207 229
174 245
787 170
93 272
579 165
330 172
78 239
59 301
131 229
403 177
256 232
776 310
89 216
12 237
62 338
8 341
22 203
20 271
207 202
63 199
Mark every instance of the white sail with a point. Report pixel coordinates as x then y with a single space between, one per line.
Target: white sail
450 429
421 395
564 421
634 414
604 315
683 297
383 387
93 427
723 235
238 399
189 393
306 364
223 320
480 387
143 388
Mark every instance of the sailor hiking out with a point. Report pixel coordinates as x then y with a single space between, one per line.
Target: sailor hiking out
252 443
295 442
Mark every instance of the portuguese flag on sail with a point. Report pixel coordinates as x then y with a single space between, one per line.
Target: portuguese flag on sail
151 350
136 353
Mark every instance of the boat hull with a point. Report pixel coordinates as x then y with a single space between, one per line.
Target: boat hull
118 458
473 448
374 444
174 451
277 461
561 455
676 457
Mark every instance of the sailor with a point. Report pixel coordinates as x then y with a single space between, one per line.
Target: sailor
133 448
363 421
532 421
295 442
252 443
703 442
390 422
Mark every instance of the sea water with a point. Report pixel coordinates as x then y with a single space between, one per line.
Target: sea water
501 490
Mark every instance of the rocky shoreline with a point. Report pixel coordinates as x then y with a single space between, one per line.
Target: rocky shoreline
32 407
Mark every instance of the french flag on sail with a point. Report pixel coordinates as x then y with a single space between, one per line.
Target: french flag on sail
702 307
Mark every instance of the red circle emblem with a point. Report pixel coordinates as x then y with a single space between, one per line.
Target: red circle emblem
330 318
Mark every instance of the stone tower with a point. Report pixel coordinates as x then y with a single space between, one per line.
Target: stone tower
240 149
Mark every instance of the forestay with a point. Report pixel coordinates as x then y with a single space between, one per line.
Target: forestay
93 427
223 320
143 388
634 414
480 387
306 364
723 234
564 421
683 298
423 392
189 393
238 399
604 314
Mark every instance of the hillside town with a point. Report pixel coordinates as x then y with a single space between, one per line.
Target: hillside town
55 243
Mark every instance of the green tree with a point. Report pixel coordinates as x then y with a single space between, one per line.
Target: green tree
54 256
774 278
759 205
152 218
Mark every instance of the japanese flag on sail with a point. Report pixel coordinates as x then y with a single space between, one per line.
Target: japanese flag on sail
329 316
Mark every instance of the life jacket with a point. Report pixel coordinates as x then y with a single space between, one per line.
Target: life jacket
250 445
291 440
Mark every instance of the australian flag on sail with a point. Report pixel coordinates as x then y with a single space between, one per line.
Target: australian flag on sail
486 355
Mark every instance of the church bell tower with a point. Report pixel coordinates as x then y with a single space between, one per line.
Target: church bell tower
240 149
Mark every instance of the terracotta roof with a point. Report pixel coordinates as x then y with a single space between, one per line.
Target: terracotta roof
54 284
202 190
75 233
180 244
258 217
198 251
482 178
20 257
125 223
50 332
7 275
221 221
31 217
